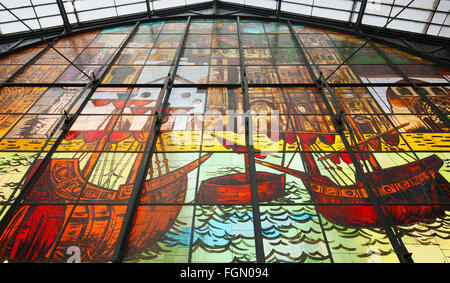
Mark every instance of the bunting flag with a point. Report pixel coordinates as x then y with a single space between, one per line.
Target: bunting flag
136 106
345 157
308 138
117 137
328 139
89 137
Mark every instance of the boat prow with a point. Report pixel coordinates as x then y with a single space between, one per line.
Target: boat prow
96 220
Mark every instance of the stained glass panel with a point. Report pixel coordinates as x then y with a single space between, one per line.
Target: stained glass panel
326 156
41 74
210 235
6 71
225 28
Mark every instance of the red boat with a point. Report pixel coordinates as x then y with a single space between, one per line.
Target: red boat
236 188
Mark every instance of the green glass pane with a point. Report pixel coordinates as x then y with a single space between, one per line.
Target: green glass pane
362 56
286 56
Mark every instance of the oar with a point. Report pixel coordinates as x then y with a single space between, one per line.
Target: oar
241 145
366 140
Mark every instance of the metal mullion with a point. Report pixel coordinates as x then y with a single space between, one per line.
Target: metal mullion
31 18
312 6
300 151
84 48
436 110
133 203
389 227
408 20
392 64
278 8
108 7
250 162
138 74
400 6
340 123
63 13
82 191
352 12
28 174
414 152
362 10
75 12
152 7
149 12
196 203
443 24
73 119
34 10
387 224
369 39
214 7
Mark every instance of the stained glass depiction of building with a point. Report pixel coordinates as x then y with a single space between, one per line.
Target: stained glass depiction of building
223 138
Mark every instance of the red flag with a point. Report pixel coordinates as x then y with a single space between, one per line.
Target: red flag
308 138
71 135
336 159
391 139
346 157
101 102
327 139
119 136
89 137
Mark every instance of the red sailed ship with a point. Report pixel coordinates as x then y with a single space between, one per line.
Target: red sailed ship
409 193
396 187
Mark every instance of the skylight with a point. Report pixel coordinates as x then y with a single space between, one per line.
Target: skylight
428 17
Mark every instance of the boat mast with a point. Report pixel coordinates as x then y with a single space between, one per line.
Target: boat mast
87 170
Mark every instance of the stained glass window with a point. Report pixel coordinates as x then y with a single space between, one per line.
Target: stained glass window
223 140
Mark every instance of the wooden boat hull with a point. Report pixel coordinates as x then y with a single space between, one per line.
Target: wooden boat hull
406 191
236 188
94 224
